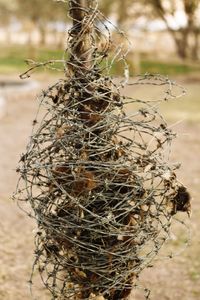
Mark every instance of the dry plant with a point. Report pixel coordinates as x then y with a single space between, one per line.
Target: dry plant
96 176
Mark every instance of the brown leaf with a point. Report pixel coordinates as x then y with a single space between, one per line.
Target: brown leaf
85 182
181 201
96 297
62 130
80 273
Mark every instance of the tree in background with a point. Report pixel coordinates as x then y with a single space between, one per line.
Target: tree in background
7 9
126 12
186 36
39 14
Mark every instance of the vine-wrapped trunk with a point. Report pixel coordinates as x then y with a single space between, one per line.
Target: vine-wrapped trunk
81 36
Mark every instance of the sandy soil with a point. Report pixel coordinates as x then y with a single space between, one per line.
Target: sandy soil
174 279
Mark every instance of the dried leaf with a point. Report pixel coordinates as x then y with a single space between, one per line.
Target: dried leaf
80 273
94 297
168 175
120 237
148 168
62 130
181 201
85 182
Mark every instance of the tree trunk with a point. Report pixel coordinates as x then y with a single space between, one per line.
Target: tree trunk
42 31
81 37
195 49
181 48
181 42
122 14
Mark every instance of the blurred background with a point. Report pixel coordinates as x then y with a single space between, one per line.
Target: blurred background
165 38
167 30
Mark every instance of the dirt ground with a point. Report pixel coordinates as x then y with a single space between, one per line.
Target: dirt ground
171 279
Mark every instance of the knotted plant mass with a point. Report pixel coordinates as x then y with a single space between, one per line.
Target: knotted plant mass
96 172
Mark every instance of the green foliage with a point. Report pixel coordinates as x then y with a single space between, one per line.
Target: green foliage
13 59
167 68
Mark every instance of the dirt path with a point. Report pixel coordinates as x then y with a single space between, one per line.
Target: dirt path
169 280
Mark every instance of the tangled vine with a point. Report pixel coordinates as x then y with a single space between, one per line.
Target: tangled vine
96 171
